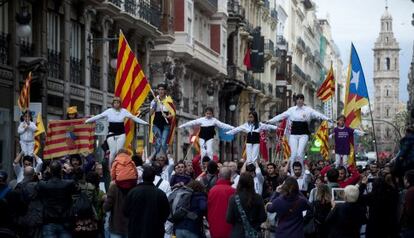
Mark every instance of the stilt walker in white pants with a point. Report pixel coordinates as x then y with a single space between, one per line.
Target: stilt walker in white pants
26 131
208 126
300 116
116 131
253 128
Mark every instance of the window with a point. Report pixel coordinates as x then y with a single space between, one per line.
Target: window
388 110
378 64
53 45
4 16
76 53
387 92
387 63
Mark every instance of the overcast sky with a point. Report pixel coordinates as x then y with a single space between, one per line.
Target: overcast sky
358 21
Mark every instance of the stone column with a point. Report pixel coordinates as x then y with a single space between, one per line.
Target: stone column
88 14
66 55
106 24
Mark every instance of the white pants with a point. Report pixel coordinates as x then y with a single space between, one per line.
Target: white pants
27 147
206 148
297 144
341 160
252 152
115 143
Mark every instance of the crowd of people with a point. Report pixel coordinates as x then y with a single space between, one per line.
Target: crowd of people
125 195
204 198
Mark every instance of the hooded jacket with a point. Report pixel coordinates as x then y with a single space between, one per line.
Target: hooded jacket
123 168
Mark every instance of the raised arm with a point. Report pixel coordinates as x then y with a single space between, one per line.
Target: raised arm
97 117
195 122
32 126
241 128
134 118
279 117
21 129
222 125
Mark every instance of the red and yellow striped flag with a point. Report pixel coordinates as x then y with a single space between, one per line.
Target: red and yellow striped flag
195 140
24 98
327 89
40 128
67 137
131 85
323 137
286 148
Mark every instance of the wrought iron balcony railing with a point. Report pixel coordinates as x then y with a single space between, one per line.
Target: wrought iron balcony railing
26 49
95 74
54 64
76 71
4 48
142 9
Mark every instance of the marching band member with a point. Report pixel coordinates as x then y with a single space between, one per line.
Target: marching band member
300 117
207 125
116 131
253 128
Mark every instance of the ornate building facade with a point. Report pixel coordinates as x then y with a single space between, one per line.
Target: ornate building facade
386 82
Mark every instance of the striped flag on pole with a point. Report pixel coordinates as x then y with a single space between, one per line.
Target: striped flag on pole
131 85
323 137
286 148
40 130
327 89
66 137
24 98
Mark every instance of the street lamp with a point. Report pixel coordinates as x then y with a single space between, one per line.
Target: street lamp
23 19
232 105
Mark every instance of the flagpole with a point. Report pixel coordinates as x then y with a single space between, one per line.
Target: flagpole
373 128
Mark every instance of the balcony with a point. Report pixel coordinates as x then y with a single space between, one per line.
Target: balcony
235 10
76 71
4 48
138 9
95 74
208 6
54 64
273 14
299 72
269 49
300 44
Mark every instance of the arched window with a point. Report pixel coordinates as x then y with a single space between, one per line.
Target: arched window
387 63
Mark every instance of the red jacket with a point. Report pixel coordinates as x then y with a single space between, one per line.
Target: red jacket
355 176
217 204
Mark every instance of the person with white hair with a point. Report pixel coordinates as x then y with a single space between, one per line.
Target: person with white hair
345 219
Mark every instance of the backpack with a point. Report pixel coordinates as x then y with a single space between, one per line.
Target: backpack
180 202
82 207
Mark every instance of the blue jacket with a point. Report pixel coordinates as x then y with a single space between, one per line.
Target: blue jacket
198 206
289 214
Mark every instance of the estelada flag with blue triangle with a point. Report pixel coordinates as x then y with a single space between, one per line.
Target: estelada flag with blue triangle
356 95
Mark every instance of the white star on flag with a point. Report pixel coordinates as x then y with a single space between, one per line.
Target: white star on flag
355 79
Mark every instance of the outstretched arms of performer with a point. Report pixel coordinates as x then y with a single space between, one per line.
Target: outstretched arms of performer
316 114
222 125
195 122
135 119
241 128
267 127
97 117
279 117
